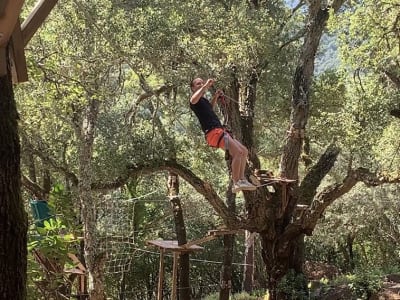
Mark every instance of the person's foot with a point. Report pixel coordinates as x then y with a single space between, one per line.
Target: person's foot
236 187
243 185
247 186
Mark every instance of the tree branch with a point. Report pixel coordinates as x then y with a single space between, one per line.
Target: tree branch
201 186
394 78
33 188
41 151
312 180
148 93
307 223
395 112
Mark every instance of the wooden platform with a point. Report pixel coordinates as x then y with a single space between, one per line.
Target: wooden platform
177 250
170 246
266 177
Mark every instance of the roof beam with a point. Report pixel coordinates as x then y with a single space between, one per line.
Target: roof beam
19 70
9 14
36 18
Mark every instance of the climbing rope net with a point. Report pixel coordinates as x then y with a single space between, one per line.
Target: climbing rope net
116 227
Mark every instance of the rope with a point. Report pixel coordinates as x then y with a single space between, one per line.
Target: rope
192 259
224 110
231 99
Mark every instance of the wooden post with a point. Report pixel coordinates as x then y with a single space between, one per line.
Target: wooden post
10 11
161 275
175 275
177 251
19 70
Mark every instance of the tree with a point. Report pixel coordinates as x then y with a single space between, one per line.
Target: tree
13 218
255 73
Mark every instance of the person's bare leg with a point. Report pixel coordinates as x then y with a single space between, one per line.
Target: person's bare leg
243 158
236 152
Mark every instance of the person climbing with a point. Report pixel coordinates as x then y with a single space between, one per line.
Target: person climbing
216 135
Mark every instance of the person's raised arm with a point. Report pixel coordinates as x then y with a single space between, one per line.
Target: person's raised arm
214 99
200 92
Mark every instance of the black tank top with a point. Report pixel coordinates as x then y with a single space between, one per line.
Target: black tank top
206 115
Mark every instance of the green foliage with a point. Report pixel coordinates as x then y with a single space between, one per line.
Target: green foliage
294 286
238 296
359 231
362 284
100 49
53 239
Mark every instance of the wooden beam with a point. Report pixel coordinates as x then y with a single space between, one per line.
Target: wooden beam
36 18
199 241
76 261
161 276
19 71
8 19
175 276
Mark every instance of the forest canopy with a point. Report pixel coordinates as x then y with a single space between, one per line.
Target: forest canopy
105 120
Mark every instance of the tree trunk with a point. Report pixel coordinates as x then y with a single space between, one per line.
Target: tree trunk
234 124
173 191
226 270
13 221
248 272
349 243
93 258
279 250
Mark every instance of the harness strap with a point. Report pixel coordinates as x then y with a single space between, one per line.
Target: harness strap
220 138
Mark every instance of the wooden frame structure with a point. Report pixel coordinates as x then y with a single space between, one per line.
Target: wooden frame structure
15 36
172 246
76 275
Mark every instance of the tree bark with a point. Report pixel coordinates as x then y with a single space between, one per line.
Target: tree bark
226 270
180 229
13 221
248 271
247 126
280 246
93 258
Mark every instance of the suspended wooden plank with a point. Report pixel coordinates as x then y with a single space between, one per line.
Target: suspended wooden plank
36 18
212 235
199 241
224 231
17 53
173 246
10 10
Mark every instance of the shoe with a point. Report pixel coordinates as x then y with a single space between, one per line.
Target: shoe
236 187
243 185
247 186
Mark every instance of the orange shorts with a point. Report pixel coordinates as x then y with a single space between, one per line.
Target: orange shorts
217 138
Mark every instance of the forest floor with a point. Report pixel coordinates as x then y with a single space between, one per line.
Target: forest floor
316 271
